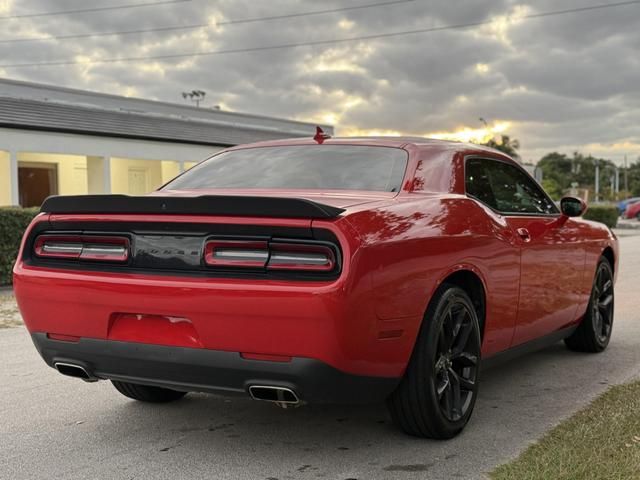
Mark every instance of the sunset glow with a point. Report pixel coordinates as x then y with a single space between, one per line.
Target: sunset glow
474 135
462 134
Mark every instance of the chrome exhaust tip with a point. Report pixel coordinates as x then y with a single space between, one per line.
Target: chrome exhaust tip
282 396
74 370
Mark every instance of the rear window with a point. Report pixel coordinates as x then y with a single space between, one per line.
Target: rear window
321 167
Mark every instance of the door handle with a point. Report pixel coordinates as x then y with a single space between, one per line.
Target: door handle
524 234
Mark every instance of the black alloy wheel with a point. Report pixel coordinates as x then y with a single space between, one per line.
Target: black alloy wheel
602 304
594 332
437 394
456 367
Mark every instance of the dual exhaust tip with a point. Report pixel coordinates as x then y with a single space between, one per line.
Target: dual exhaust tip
282 396
74 370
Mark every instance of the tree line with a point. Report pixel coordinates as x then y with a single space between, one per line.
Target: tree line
561 172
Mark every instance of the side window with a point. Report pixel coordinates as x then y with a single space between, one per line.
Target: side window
505 188
478 183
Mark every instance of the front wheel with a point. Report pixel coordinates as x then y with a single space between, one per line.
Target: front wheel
594 332
438 391
146 393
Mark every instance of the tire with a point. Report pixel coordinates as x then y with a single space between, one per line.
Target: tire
594 332
145 393
436 396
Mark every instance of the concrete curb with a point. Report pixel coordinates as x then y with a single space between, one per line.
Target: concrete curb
628 224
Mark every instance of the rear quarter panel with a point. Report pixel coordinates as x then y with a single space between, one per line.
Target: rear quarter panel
411 246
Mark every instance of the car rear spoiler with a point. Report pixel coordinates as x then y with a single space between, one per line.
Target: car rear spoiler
202 205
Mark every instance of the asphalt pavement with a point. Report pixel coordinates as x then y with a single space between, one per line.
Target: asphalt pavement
57 427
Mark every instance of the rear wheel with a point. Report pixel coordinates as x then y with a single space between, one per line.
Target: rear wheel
145 393
594 332
438 391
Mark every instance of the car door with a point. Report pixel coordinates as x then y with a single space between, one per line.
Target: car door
552 255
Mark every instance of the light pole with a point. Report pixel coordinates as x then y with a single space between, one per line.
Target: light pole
195 96
626 180
597 181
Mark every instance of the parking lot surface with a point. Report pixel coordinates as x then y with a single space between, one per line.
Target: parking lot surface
57 427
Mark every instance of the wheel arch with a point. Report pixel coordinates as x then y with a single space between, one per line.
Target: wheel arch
469 279
610 256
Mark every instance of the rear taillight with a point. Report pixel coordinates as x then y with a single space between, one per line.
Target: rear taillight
83 247
301 256
236 253
273 255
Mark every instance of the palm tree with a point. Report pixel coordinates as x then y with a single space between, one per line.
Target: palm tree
505 144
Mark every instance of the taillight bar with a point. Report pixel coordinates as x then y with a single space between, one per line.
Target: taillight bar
236 253
271 255
301 256
83 247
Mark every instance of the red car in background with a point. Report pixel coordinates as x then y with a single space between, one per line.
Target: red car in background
633 211
326 270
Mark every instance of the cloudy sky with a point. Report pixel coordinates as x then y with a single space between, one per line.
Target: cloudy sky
563 82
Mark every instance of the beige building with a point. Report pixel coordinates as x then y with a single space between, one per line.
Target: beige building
59 141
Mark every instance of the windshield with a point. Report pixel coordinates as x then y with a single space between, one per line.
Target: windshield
321 167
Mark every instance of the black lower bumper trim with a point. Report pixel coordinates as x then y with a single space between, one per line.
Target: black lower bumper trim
201 370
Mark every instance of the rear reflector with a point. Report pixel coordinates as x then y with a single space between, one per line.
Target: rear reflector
264 357
298 256
63 338
83 247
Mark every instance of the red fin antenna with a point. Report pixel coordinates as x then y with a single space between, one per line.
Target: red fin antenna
320 136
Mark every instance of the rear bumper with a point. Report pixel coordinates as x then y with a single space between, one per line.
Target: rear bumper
332 322
215 371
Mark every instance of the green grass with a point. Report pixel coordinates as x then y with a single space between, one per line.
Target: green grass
602 441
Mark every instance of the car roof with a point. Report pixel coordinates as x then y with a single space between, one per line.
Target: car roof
380 141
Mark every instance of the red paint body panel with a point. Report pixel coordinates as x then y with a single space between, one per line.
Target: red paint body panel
397 248
553 287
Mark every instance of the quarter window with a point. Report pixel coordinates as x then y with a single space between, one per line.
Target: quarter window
505 188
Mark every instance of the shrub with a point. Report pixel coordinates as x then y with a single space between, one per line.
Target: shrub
607 214
13 222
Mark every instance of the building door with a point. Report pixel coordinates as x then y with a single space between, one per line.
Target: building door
138 182
36 181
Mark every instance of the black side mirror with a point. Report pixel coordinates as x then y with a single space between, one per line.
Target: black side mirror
572 207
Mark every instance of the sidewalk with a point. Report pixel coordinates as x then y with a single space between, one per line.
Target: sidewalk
624 223
627 228
9 314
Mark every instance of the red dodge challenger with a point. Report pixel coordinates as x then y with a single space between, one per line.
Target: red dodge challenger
318 270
